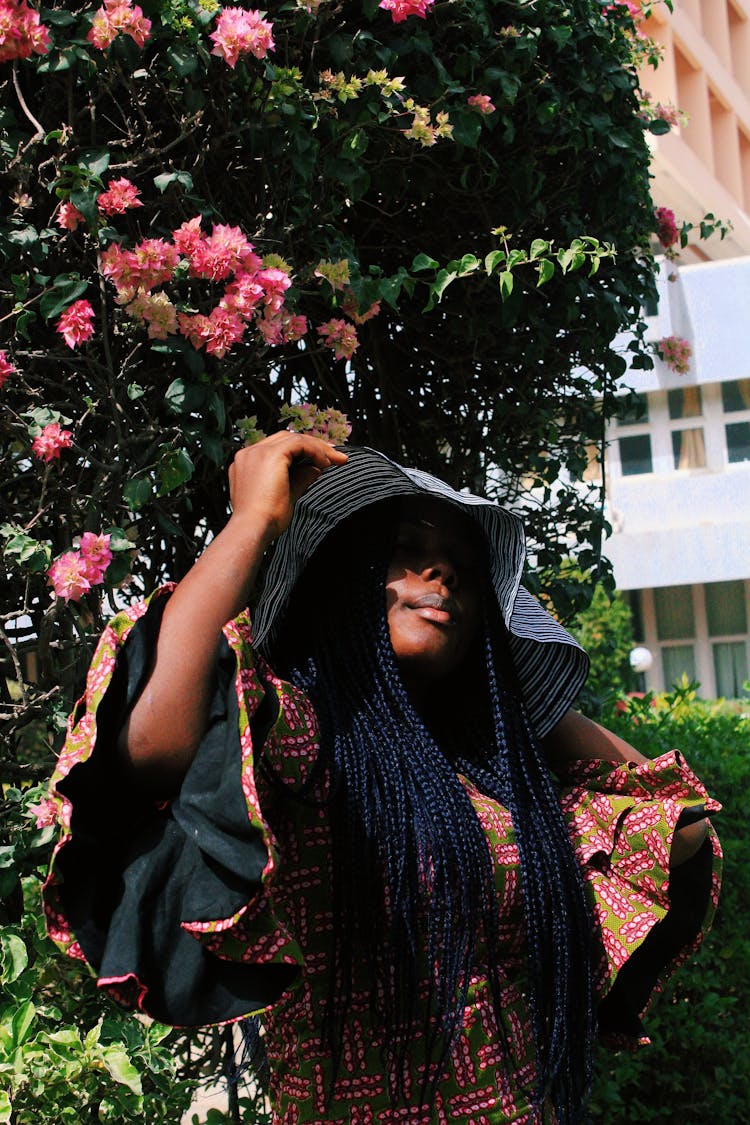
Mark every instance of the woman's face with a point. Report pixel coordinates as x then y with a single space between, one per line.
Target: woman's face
433 590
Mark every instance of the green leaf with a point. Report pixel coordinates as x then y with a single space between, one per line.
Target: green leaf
163 181
85 200
22 1021
118 540
95 161
6 1108
137 492
174 469
182 59
185 398
467 128
66 289
468 264
440 284
493 259
13 957
423 262
135 391
545 270
658 127
121 1068
538 247
506 284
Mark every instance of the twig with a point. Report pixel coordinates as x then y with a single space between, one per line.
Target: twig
22 102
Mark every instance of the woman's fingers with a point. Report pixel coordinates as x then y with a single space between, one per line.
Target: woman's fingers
267 479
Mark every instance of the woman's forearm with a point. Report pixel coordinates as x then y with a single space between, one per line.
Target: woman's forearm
577 737
165 727
167 722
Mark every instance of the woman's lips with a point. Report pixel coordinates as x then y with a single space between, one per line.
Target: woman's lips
433 607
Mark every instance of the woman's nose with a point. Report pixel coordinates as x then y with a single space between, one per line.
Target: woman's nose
442 569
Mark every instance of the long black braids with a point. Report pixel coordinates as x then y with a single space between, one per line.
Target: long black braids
558 924
413 880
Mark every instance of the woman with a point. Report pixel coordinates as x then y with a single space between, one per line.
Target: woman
372 848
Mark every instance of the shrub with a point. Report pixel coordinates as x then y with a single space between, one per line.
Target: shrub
698 1066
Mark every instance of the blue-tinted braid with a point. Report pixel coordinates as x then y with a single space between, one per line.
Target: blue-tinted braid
399 807
558 927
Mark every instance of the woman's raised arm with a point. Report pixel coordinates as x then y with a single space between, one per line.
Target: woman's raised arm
167 722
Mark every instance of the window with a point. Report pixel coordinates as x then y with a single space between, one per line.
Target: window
725 608
688 449
736 395
635 455
685 403
675 620
738 442
634 409
635 598
730 665
677 661
726 613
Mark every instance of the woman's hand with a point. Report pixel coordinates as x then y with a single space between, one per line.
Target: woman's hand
267 479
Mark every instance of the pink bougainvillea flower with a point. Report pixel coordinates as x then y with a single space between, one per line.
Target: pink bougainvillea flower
45 813
225 328
633 8
275 283
76 324
350 305
118 17
194 328
676 352
151 262
293 328
69 217
50 441
187 237
157 311
6 368
666 227
119 197
401 9
225 250
340 337
67 576
241 31
242 294
96 555
270 327
21 32
481 102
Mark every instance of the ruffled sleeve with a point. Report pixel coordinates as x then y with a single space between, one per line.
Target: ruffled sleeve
649 919
172 904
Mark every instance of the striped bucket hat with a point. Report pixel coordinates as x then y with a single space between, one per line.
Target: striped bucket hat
551 666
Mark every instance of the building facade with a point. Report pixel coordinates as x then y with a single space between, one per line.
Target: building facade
678 467
703 164
679 487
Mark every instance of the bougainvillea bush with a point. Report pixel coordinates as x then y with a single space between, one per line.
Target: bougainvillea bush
424 220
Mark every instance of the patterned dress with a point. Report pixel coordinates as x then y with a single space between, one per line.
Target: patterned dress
217 904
